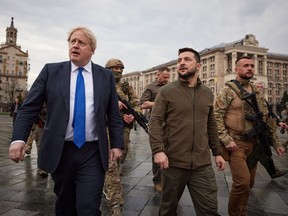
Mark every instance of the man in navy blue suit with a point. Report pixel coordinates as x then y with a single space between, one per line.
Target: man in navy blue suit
77 171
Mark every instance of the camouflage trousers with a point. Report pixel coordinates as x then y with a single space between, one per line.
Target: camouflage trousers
126 143
36 134
113 189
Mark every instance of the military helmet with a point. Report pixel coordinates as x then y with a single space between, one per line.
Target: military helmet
114 63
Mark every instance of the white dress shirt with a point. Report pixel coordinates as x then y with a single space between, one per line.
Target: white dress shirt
91 134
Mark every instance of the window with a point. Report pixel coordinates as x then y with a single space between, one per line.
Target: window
277 92
269 100
269 64
269 71
277 72
277 65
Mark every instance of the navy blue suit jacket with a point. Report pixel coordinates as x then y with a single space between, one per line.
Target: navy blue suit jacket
52 87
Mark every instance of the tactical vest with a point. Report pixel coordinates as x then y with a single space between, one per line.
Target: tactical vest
235 120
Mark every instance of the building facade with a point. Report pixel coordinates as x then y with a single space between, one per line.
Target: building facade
14 69
218 64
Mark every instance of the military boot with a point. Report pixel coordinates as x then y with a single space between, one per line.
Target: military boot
42 173
116 210
278 173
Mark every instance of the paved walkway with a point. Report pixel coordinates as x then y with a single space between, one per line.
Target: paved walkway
22 192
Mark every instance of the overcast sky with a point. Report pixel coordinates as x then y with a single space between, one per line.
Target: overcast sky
142 33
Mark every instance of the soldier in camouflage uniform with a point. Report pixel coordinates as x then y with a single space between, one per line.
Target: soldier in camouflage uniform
36 134
113 188
284 115
147 101
230 112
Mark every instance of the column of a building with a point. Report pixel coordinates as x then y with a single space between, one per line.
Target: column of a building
264 66
234 58
256 68
225 65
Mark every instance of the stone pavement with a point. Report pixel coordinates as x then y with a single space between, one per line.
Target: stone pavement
22 192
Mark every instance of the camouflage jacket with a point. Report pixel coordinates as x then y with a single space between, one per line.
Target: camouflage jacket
284 115
225 110
126 92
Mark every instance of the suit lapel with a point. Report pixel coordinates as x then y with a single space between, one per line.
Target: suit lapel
64 74
97 85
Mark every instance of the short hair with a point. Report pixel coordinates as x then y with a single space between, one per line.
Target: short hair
259 82
187 49
242 57
88 33
160 70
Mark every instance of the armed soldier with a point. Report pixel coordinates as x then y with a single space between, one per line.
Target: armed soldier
232 106
147 101
125 92
284 115
113 189
36 134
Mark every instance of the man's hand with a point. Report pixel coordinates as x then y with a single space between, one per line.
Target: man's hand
147 105
283 126
128 118
220 162
115 154
232 146
17 151
161 159
121 105
280 150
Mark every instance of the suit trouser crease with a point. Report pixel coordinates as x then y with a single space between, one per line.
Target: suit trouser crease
79 180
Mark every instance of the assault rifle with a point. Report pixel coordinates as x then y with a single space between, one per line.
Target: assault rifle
260 129
139 117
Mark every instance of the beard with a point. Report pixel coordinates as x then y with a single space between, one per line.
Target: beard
189 74
244 77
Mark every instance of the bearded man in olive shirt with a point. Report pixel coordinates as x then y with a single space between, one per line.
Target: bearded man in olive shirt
181 146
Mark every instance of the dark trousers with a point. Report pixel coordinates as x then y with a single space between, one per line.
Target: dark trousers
259 154
156 172
202 187
79 180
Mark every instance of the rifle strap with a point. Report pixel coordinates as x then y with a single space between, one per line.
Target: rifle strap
236 86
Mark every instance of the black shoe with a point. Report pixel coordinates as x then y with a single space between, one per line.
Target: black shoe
278 174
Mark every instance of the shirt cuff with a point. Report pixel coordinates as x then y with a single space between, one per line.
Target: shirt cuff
17 141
